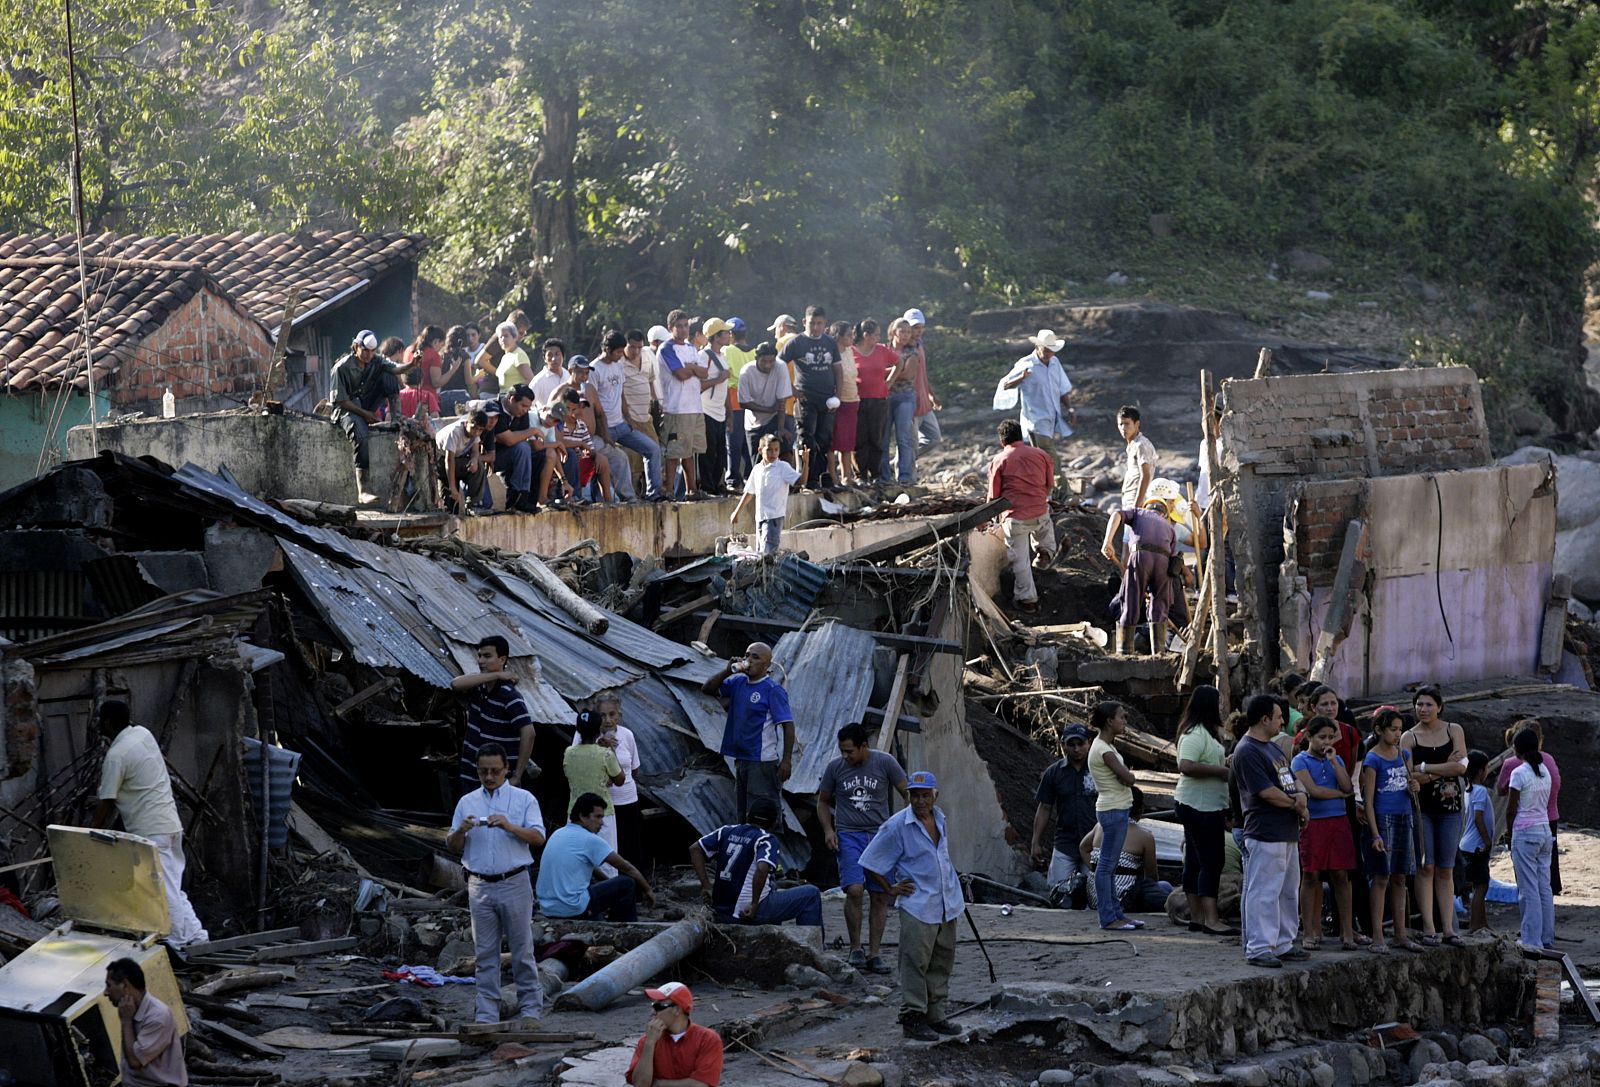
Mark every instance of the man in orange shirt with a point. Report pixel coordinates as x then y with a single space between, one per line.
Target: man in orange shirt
673 1052
1024 475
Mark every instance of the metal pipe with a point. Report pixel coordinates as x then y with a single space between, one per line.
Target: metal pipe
648 960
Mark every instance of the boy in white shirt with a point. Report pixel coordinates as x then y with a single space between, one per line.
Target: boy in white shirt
769 483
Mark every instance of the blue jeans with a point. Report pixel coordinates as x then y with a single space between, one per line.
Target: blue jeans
1441 836
802 905
1114 832
613 897
622 434
770 533
903 422
1531 851
515 464
738 451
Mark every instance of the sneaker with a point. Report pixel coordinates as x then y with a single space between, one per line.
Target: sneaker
916 1029
858 959
1295 954
944 1026
1270 962
876 965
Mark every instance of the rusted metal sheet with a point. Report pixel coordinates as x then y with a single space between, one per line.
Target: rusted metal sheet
828 674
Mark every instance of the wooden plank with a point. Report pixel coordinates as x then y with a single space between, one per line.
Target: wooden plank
249 939
1218 534
237 1041
25 864
372 690
1553 635
667 618
304 948
891 708
886 551
244 978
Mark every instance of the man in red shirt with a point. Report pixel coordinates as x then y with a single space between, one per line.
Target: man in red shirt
1024 475
673 1051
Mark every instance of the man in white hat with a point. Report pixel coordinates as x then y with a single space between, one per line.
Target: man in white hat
928 405
1045 393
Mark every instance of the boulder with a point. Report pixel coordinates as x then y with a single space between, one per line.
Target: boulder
858 1074
1056 1077
1424 1053
1306 262
1475 1047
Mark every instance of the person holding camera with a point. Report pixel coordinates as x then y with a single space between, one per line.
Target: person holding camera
759 735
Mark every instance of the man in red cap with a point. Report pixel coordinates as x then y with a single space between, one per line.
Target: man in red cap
673 1052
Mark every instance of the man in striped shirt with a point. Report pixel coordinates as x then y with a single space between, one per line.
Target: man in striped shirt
496 713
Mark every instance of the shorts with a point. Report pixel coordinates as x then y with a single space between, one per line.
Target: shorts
686 435
586 463
1473 868
852 843
1326 846
1441 837
1400 856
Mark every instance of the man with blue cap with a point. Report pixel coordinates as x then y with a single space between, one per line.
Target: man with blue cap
909 858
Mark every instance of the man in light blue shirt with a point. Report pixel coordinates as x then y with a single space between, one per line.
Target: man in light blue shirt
909 858
1045 393
493 828
567 869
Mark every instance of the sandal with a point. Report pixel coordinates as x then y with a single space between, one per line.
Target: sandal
1378 949
1363 939
1430 939
1409 944
1455 941
1312 943
1349 945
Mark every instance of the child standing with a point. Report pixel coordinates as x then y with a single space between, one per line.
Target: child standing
1532 844
1326 846
1386 785
769 483
1477 840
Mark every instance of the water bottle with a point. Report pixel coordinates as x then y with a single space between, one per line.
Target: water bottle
169 404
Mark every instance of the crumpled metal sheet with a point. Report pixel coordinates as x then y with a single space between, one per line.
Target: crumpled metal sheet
828 674
706 799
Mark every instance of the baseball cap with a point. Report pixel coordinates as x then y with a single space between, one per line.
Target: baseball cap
366 338
764 808
579 361
657 334
713 326
782 321
922 779
736 323
915 317
1075 732
675 991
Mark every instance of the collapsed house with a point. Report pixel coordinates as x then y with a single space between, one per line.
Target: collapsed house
226 623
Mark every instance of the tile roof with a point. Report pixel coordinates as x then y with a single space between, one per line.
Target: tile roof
136 281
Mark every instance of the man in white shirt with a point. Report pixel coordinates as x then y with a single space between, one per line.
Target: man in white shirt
769 483
554 375
135 785
680 374
493 828
466 462
610 381
714 403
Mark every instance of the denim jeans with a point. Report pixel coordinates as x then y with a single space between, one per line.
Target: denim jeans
615 898
1114 832
802 905
515 464
770 533
1531 850
624 435
738 452
903 422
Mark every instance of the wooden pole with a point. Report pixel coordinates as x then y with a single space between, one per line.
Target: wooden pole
1264 362
531 567
1218 539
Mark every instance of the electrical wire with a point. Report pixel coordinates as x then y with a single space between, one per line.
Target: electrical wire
1438 572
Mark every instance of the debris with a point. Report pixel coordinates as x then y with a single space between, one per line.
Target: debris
395 1050
925 534
236 1041
399 1009
533 568
300 1037
234 981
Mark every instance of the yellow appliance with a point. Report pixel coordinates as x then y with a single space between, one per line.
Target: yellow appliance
57 1029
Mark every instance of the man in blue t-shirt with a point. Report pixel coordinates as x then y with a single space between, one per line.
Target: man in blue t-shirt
745 856
566 886
759 735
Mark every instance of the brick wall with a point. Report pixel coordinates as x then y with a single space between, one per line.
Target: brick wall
1322 510
208 350
1282 433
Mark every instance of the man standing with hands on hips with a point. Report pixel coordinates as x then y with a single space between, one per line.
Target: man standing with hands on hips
759 735
909 858
493 828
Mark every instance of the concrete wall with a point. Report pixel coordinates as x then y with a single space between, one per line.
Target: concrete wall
25 429
280 456
986 546
1280 431
1445 600
670 529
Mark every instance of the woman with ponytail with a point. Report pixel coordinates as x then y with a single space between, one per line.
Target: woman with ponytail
1532 844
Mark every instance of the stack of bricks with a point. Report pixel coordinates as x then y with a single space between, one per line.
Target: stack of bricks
208 348
1547 1001
1322 512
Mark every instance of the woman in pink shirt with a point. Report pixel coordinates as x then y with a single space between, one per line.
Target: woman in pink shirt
873 361
1502 785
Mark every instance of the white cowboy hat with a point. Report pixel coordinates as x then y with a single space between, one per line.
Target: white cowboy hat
1047 340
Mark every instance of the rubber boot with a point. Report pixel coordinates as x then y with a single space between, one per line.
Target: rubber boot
1125 641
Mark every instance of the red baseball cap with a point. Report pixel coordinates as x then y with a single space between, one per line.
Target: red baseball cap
675 991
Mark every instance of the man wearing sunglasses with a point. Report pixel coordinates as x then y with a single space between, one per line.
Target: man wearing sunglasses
674 1052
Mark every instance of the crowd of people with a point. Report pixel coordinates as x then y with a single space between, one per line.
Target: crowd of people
1362 836
680 411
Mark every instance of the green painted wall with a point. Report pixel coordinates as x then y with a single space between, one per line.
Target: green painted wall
24 430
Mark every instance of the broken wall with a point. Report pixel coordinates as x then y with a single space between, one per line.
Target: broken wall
1458 570
1279 432
282 456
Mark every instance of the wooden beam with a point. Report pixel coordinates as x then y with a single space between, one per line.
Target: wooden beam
1264 363
1553 636
884 637
929 532
1218 538
531 567
683 610
303 948
891 708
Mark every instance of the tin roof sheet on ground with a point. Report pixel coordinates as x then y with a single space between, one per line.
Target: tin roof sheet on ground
706 799
623 636
828 674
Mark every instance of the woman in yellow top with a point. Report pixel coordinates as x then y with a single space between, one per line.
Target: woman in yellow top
1113 784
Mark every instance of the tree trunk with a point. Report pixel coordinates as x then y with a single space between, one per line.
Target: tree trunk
557 264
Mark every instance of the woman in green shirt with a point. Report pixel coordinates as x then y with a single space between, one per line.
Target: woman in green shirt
591 766
1202 807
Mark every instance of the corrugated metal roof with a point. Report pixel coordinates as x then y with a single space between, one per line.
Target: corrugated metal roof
828 674
368 617
786 590
659 725
258 512
573 665
623 636
706 799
